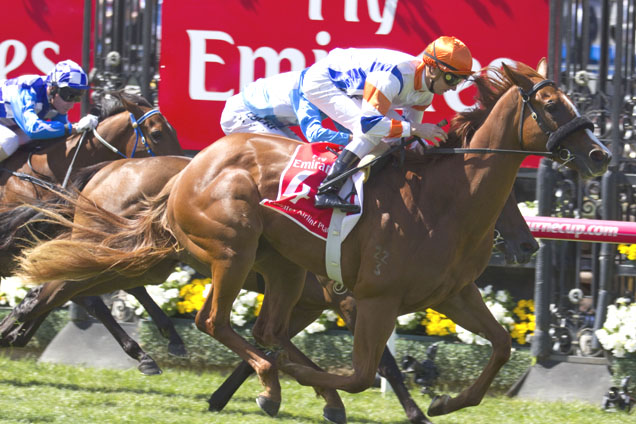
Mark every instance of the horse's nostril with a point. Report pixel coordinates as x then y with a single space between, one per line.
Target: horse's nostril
528 247
599 155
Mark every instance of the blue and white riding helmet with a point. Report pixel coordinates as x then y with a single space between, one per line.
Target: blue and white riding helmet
68 74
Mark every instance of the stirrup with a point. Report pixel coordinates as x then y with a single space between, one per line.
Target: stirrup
333 201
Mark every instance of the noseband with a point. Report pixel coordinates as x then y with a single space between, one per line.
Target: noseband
554 137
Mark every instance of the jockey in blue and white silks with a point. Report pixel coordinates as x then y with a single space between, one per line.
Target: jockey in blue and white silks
385 81
271 105
35 107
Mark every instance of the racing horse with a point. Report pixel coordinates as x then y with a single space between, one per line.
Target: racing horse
128 127
119 188
434 238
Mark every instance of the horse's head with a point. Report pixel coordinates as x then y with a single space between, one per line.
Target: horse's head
549 119
153 133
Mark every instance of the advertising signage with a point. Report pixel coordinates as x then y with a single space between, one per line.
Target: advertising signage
211 49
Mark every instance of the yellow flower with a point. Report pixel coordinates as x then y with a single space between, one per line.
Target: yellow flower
340 322
259 304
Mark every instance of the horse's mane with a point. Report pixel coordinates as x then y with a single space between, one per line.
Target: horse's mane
111 105
491 84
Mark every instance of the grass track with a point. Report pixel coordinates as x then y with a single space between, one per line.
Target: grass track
31 392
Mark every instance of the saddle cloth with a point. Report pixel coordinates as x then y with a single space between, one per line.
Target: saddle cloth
299 183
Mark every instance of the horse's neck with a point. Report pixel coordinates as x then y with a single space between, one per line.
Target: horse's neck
493 175
471 189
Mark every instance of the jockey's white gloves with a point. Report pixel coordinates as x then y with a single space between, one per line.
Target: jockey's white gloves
89 122
429 132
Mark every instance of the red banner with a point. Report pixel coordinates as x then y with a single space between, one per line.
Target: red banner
549 227
36 34
211 49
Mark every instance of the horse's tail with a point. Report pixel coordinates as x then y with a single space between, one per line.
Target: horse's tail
19 222
105 244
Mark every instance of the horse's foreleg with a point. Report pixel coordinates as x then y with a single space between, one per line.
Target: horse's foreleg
374 324
176 346
95 306
344 305
283 288
468 310
304 313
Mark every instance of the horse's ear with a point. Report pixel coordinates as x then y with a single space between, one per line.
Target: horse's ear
130 106
517 78
542 67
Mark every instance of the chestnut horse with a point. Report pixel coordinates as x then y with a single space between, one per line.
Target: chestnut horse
119 188
431 220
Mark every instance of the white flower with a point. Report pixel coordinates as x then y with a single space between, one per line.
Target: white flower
330 316
501 296
469 338
528 209
618 334
238 320
315 327
162 296
13 290
406 319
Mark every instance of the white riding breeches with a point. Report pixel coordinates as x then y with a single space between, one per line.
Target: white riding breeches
10 140
320 90
236 117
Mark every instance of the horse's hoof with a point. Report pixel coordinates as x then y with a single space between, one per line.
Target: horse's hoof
334 415
438 405
178 350
269 406
148 366
420 419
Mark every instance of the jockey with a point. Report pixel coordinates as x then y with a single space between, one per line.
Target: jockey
386 80
34 107
271 105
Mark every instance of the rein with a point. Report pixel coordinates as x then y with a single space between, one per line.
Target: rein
436 151
553 144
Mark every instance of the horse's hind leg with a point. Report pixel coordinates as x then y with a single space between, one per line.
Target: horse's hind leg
214 318
468 310
18 334
176 346
96 307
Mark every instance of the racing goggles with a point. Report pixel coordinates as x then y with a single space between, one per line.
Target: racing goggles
71 95
451 79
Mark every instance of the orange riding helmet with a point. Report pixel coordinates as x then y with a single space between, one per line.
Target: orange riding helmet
450 55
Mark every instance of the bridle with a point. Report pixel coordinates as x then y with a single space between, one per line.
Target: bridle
139 134
554 137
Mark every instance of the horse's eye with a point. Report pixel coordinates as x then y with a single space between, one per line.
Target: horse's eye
156 136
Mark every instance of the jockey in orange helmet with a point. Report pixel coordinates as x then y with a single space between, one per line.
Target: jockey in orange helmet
362 88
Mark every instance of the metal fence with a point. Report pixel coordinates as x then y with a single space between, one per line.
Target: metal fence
592 56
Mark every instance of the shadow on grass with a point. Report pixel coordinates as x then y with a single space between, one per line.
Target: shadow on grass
78 388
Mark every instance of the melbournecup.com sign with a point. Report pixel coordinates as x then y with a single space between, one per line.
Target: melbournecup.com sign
582 229
211 49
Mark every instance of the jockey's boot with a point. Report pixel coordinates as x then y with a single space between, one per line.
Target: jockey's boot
328 194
